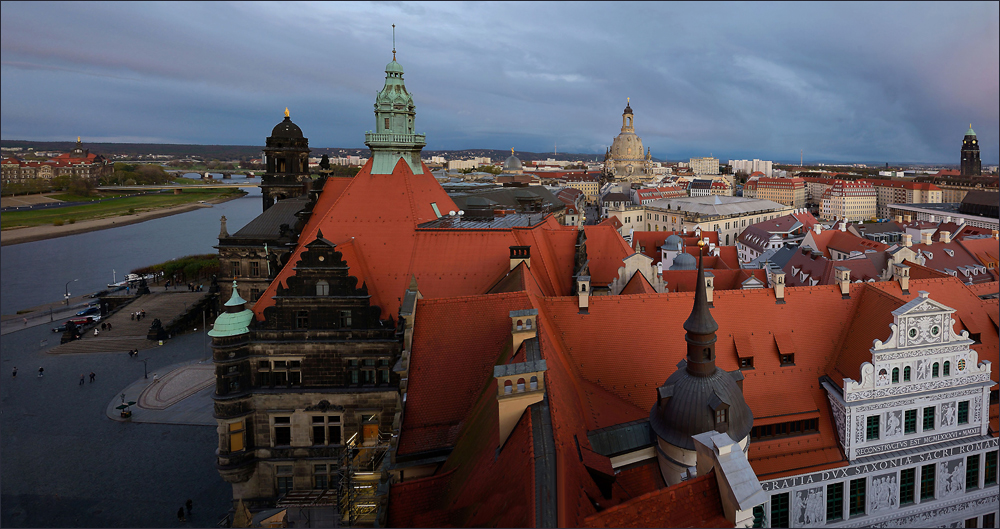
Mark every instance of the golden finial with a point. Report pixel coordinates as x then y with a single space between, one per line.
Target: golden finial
78 138
970 125
512 151
628 100
393 42
701 242
286 112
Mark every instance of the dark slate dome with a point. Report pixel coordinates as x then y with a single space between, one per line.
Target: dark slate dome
286 129
673 243
690 408
684 261
513 163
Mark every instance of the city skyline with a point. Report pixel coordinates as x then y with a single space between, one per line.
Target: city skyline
841 82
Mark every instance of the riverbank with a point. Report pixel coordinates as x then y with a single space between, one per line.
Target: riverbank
39 233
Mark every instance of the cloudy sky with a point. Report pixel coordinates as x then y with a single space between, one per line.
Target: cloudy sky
897 82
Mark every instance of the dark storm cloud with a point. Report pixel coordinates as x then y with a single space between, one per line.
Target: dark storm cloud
841 81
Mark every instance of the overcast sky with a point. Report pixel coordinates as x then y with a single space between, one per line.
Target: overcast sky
896 82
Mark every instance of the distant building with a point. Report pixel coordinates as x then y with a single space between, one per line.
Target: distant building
625 159
971 164
787 191
752 166
707 165
79 162
849 200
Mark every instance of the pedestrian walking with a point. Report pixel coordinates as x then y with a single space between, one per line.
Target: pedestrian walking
92 376
14 373
96 332
104 326
109 325
180 515
187 505
132 316
40 371
81 379
25 321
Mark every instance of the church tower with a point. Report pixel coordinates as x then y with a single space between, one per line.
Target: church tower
626 160
699 397
394 138
286 161
971 164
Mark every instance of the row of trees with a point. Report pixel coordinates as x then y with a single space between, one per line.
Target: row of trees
185 269
137 174
75 185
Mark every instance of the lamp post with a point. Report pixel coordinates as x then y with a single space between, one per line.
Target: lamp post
145 372
67 290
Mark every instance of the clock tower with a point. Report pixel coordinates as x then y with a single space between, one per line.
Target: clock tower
971 164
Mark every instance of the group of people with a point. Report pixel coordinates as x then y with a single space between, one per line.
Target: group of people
106 326
180 512
133 353
138 315
93 376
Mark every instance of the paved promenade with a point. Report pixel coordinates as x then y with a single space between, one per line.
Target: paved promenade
66 463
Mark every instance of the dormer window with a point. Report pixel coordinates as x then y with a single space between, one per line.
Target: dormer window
746 362
787 359
721 416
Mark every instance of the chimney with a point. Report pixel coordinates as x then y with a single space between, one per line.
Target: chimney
901 273
899 219
945 237
925 237
518 386
709 288
843 225
960 221
844 281
583 293
523 326
907 240
518 254
996 234
947 218
817 228
931 218
778 279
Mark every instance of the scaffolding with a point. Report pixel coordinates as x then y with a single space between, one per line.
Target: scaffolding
362 471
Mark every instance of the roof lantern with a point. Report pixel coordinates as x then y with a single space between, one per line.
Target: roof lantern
235 319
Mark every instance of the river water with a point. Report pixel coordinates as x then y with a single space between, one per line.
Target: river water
36 272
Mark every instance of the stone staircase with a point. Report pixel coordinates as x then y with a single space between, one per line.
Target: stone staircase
126 333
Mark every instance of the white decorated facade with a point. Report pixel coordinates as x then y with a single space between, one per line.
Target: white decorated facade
914 429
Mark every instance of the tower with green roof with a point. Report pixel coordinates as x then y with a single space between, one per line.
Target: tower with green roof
971 164
394 137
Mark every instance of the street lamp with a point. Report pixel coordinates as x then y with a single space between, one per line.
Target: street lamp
67 290
145 372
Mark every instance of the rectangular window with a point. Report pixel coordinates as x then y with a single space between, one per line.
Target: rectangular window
857 504
989 520
758 516
254 294
990 472
383 370
235 266
929 418
368 371
779 510
972 522
963 412
236 431
355 373
746 362
302 319
282 431
871 432
907 486
321 477
927 482
834 501
345 319
910 422
326 429
254 269
787 360
972 473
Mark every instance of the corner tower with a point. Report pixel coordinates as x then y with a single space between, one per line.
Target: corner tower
286 172
394 138
699 397
971 164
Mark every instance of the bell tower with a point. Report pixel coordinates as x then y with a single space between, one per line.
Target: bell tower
971 164
286 162
394 137
627 124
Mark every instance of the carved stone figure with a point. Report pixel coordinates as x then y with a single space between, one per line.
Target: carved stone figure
893 423
811 506
949 414
883 495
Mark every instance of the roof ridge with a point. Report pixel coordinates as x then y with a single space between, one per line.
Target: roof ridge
473 296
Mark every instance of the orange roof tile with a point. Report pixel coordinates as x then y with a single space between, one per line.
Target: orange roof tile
692 503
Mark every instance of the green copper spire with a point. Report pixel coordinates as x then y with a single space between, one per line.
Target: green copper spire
394 124
236 318
970 132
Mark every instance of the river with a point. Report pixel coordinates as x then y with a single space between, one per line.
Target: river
36 272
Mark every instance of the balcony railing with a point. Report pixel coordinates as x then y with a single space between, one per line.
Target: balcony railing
376 137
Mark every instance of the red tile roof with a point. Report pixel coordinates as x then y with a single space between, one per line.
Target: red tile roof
605 250
692 503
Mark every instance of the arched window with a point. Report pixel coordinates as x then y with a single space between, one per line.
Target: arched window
895 375
322 288
527 325
906 374
508 387
533 383
520 385
947 368
934 370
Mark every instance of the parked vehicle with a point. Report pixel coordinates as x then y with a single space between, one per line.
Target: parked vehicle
89 311
79 322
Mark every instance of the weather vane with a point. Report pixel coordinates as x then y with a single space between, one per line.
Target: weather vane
393 42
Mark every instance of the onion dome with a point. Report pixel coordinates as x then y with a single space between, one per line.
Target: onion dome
235 319
393 66
286 129
684 261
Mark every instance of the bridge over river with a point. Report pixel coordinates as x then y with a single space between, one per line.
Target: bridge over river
179 188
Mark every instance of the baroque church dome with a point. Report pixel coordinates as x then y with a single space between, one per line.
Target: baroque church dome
626 156
512 164
286 129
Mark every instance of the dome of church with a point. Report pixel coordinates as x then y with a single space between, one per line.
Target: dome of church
627 145
286 129
512 164
684 261
690 410
673 243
